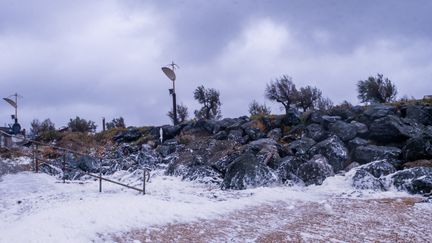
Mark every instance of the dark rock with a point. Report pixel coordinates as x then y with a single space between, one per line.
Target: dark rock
167 148
231 123
346 113
275 134
327 120
87 164
301 146
247 172
315 171
252 129
221 135
315 117
170 132
130 135
370 153
258 145
343 130
421 114
316 132
403 180
288 167
292 117
379 168
363 180
334 150
356 142
418 148
422 185
362 129
236 135
392 129
376 111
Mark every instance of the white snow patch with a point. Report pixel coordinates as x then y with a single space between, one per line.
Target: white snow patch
39 208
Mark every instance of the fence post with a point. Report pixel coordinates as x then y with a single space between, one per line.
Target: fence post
64 167
100 176
36 159
144 180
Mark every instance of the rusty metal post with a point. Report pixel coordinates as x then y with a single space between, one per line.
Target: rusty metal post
100 176
64 167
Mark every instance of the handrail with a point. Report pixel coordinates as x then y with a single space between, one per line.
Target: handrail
36 159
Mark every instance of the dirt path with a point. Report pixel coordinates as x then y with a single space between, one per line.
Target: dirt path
336 220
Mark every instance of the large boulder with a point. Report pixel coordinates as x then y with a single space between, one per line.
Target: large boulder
316 132
364 180
130 135
237 135
403 180
275 134
253 129
288 167
247 172
379 168
376 111
422 185
300 147
343 130
315 171
421 114
370 153
392 129
334 150
266 150
356 142
418 148
362 129
327 120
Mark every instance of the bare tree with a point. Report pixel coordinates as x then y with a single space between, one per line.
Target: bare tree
209 99
37 127
182 113
116 123
257 109
282 90
376 90
308 97
324 104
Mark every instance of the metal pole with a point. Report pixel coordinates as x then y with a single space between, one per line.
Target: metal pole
36 158
174 105
144 180
103 124
64 168
100 176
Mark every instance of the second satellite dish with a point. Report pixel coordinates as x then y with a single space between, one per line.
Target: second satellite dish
169 73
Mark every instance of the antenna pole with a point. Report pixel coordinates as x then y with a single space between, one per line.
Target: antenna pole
173 66
16 108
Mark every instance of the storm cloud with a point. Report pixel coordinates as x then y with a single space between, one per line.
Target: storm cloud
98 59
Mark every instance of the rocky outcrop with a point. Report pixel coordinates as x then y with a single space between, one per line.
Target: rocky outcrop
368 153
345 131
247 172
418 148
315 171
334 150
392 129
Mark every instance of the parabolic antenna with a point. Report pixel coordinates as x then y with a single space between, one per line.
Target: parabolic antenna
11 102
169 73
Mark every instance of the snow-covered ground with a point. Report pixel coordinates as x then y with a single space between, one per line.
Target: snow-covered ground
40 208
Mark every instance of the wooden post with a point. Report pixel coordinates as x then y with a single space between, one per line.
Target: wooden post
64 167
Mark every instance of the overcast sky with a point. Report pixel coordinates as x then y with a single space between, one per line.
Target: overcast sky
98 59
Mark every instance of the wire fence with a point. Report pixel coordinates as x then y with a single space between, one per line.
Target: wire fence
38 161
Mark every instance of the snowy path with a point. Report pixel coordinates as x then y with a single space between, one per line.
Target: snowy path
38 208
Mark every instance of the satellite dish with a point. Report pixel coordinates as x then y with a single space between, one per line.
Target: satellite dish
11 102
169 73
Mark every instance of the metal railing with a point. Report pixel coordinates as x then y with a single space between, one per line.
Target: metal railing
36 159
